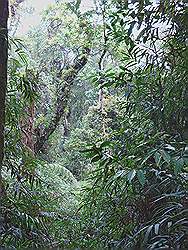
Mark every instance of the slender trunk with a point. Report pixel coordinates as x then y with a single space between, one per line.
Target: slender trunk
3 77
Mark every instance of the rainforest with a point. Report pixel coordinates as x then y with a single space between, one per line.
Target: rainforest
94 124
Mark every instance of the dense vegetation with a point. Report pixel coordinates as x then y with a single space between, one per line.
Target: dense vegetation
94 130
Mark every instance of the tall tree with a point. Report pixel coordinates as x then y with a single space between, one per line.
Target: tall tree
3 76
62 100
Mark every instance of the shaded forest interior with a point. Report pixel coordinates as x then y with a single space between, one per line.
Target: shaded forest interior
94 125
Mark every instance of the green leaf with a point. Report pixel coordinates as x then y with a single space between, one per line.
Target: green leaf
157 158
131 175
132 24
96 158
77 5
142 32
120 173
178 165
104 162
165 156
148 233
86 150
148 156
90 154
169 147
106 144
141 177
157 226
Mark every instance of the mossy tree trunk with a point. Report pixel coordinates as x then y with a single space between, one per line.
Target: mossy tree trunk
62 101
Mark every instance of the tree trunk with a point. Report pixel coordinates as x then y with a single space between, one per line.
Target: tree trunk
3 78
62 101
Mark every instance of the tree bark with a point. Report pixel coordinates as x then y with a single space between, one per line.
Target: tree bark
3 78
62 101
